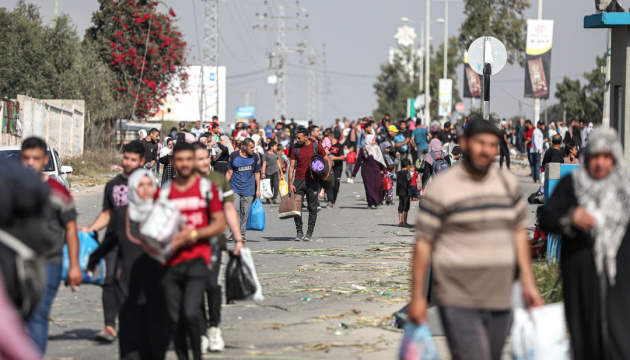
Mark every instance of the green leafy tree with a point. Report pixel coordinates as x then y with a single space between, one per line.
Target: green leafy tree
503 19
571 96
395 85
144 49
583 102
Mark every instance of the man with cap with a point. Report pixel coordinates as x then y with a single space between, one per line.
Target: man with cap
392 132
471 226
538 141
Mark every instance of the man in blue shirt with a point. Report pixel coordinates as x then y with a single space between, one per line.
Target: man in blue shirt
244 177
197 130
419 141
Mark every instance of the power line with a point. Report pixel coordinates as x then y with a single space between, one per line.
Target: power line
247 74
336 72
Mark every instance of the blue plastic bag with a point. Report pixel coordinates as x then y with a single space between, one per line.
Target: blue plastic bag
87 245
418 343
256 219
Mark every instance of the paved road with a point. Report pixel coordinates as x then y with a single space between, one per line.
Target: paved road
330 298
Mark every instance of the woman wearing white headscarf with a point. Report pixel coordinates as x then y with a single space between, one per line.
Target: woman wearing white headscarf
590 209
222 156
166 156
371 162
259 149
144 324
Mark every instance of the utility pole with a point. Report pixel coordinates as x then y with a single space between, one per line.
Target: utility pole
537 100
209 87
445 55
56 11
279 65
606 75
246 92
427 88
312 86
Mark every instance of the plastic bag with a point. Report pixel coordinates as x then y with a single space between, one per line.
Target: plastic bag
256 219
266 192
87 245
418 343
540 334
239 283
248 260
284 188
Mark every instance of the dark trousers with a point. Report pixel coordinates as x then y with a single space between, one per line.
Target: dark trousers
475 334
213 294
184 285
404 204
110 302
504 154
309 190
535 166
334 191
145 326
275 184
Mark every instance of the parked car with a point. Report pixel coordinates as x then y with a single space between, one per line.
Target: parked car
53 168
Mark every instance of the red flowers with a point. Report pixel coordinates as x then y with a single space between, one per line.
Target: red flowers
172 12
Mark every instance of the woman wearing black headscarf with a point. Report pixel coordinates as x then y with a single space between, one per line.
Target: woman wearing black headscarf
590 209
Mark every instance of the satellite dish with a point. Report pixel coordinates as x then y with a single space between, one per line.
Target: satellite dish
487 49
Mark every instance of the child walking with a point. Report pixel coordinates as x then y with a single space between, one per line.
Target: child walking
351 159
403 190
413 183
388 194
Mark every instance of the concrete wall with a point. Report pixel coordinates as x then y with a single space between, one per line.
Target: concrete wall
59 122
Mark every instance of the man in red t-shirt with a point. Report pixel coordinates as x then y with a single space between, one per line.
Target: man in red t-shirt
186 271
303 183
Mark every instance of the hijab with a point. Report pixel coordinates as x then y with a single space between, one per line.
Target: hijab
435 148
165 151
384 145
607 200
374 150
142 133
225 141
139 209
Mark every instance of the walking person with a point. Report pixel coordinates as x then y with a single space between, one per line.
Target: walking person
589 208
221 156
435 161
166 158
504 149
213 339
60 216
144 324
115 196
371 163
536 150
272 170
419 141
244 177
302 182
473 290
150 148
337 157
186 270
351 159
403 191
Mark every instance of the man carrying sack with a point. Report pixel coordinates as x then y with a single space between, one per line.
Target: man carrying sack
302 182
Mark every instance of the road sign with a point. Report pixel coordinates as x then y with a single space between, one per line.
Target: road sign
487 49
245 112
459 107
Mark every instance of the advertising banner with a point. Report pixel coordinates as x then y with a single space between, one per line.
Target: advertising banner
538 58
245 112
445 97
472 82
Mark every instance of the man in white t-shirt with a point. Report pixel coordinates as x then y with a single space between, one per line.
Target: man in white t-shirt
538 141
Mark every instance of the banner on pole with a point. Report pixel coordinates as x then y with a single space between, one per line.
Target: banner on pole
472 83
538 58
445 97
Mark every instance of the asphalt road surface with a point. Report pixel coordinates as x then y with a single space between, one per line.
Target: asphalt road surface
331 298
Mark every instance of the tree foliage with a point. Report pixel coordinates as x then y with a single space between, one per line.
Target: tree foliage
503 19
143 48
583 102
394 85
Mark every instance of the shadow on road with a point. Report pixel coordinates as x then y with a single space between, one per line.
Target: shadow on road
76 334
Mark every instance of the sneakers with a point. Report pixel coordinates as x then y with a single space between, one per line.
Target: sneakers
215 339
205 344
350 181
299 237
307 237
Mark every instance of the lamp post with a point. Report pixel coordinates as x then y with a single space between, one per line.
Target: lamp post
427 96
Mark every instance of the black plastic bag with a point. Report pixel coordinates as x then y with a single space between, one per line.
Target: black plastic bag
536 198
239 282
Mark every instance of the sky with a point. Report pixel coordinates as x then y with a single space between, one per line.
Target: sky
358 35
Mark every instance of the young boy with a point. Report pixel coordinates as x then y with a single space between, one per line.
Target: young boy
413 183
351 158
389 193
403 190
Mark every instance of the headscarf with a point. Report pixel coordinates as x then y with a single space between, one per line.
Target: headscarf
258 148
225 141
374 150
165 151
435 148
607 200
590 127
139 209
142 133
384 145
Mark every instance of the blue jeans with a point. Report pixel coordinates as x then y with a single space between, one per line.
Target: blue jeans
37 324
535 166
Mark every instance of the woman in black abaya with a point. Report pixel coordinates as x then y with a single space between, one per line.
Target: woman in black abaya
591 209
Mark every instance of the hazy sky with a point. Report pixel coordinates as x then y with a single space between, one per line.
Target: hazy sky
358 35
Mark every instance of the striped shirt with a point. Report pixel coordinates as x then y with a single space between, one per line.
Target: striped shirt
471 224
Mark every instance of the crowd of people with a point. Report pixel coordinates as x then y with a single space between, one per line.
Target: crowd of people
213 176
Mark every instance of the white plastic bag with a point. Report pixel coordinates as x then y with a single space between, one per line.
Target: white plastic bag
540 334
266 192
248 260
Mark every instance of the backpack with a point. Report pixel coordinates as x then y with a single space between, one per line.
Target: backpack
440 165
325 181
